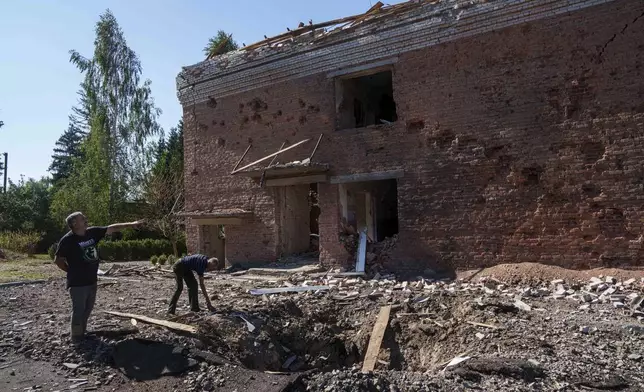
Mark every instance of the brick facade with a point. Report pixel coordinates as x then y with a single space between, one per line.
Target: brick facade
525 143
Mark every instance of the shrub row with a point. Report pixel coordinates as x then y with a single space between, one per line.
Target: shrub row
136 249
19 242
163 259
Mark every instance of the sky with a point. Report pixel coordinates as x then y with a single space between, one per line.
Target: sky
38 84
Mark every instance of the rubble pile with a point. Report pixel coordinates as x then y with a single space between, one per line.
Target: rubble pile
441 334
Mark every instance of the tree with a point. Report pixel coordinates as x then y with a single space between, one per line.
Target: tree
164 188
220 44
25 208
117 108
67 151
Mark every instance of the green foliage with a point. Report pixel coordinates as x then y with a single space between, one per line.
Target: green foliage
52 251
164 187
171 259
67 151
162 259
20 242
154 259
117 108
25 208
135 250
219 44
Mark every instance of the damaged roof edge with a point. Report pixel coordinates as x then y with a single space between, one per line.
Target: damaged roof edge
414 28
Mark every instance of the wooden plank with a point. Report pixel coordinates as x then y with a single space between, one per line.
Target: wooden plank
218 221
363 177
296 289
270 156
300 31
375 340
297 180
161 323
242 157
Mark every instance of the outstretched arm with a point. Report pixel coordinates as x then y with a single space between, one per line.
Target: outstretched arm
205 293
116 227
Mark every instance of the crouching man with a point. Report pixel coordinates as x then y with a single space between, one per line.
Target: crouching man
183 271
77 255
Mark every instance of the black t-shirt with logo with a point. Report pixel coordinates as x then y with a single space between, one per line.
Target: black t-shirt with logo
81 252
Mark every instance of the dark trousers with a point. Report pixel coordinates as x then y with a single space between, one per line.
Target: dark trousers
182 273
83 299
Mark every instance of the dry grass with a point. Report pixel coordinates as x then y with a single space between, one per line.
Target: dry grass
33 268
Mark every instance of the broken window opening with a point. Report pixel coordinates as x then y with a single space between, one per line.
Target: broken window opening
365 100
372 205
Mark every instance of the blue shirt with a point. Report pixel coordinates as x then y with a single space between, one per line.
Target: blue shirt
197 263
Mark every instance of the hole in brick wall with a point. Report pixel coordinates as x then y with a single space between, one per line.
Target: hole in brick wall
301 103
612 223
203 127
592 151
313 108
256 117
212 102
302 119
245 119
250 140
222 123
591 190
414 126
365 100
221 142
443 138
531 175
492 151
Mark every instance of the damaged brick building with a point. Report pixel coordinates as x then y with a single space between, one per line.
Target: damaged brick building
475 132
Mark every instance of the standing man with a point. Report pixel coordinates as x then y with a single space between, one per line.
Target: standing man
77 255
183 272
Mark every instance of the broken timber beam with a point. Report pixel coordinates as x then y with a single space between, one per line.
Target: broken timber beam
242 157
270 156
161 323
375 340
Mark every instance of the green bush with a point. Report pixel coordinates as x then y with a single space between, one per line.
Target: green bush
52 251
154 260
163 259
171 259
19 242
135 250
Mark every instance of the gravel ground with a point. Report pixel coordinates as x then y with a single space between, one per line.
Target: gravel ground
511 333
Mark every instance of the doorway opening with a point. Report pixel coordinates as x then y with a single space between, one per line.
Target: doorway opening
214 242
372 206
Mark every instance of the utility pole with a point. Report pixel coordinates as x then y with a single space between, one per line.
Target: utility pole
6 159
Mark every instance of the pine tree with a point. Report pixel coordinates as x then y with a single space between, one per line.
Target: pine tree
67 151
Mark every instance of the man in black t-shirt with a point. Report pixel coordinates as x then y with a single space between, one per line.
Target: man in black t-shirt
77 255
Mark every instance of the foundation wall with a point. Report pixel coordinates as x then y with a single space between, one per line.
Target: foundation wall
521 144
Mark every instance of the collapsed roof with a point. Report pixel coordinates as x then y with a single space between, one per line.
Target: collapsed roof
382 32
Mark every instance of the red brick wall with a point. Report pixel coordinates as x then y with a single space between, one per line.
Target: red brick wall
524 144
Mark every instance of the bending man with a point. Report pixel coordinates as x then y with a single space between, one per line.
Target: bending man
183 272
77 255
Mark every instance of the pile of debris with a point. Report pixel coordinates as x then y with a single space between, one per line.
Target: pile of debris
116 271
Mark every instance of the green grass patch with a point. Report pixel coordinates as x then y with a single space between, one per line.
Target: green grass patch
28 269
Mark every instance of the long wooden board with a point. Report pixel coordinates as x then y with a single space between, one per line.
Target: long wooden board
375 340
150 320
